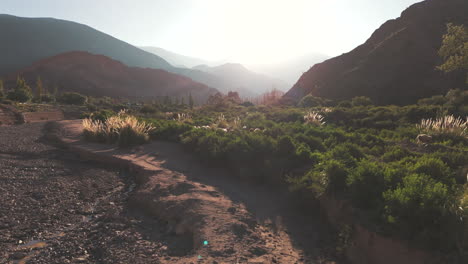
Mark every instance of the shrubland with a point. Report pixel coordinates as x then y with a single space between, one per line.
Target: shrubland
362 153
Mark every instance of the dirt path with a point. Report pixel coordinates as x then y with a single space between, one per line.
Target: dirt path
214 218
84 206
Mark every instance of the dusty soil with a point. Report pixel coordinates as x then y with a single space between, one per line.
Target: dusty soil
60 207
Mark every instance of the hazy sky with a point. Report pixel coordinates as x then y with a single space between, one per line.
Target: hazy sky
246 31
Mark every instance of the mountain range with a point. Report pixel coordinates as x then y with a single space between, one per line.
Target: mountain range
179 60
98 75
28 40
396 65
227 76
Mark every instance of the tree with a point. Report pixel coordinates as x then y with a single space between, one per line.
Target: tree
39 89
22 92
190 101
72 98
2 90
454 49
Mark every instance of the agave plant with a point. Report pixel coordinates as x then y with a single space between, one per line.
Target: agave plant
314 118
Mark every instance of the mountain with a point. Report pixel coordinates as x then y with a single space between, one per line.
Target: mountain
290 70
239 78
27 40
178 60
226 77
396 65
99 75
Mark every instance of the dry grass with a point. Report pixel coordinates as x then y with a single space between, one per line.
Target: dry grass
447 125
314 118
122 128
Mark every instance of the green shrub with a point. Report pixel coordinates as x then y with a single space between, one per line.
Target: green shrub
395 153
418 209
433 167
366 183
148 109
361 101
336 173
72 99
22 92
311 101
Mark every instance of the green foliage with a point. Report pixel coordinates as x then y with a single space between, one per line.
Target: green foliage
365 154
311 101
395 153
148 109
419 207
361 101
366 184
22 92
190 101
454 49
72 99
433 167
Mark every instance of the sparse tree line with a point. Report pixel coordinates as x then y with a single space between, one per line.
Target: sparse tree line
23 93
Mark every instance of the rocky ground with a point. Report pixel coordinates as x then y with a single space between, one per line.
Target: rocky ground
57 208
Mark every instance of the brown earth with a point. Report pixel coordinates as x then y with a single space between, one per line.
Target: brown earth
59 207
9 115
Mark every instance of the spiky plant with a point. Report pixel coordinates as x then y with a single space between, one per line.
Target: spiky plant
314 118
446 125
121 128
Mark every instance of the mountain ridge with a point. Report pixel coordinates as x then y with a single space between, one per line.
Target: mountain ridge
98 75
397 64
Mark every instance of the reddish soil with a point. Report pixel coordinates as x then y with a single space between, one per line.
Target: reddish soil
72 210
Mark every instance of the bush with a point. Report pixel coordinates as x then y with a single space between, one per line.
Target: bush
366 184
148 109
122 129
418 209
447 125
395 153
336 173
361 101
72 99
433 167
311 101
22 92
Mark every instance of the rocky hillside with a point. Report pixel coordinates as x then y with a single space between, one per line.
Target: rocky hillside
397 64
101 76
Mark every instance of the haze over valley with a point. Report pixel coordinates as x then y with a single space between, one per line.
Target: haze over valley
273 132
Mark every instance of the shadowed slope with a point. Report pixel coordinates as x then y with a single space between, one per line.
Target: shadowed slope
101 76
397 64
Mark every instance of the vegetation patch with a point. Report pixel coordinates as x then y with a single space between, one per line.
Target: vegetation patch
122 128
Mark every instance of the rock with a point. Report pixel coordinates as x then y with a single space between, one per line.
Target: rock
424 138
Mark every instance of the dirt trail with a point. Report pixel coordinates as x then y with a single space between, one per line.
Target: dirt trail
216 218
